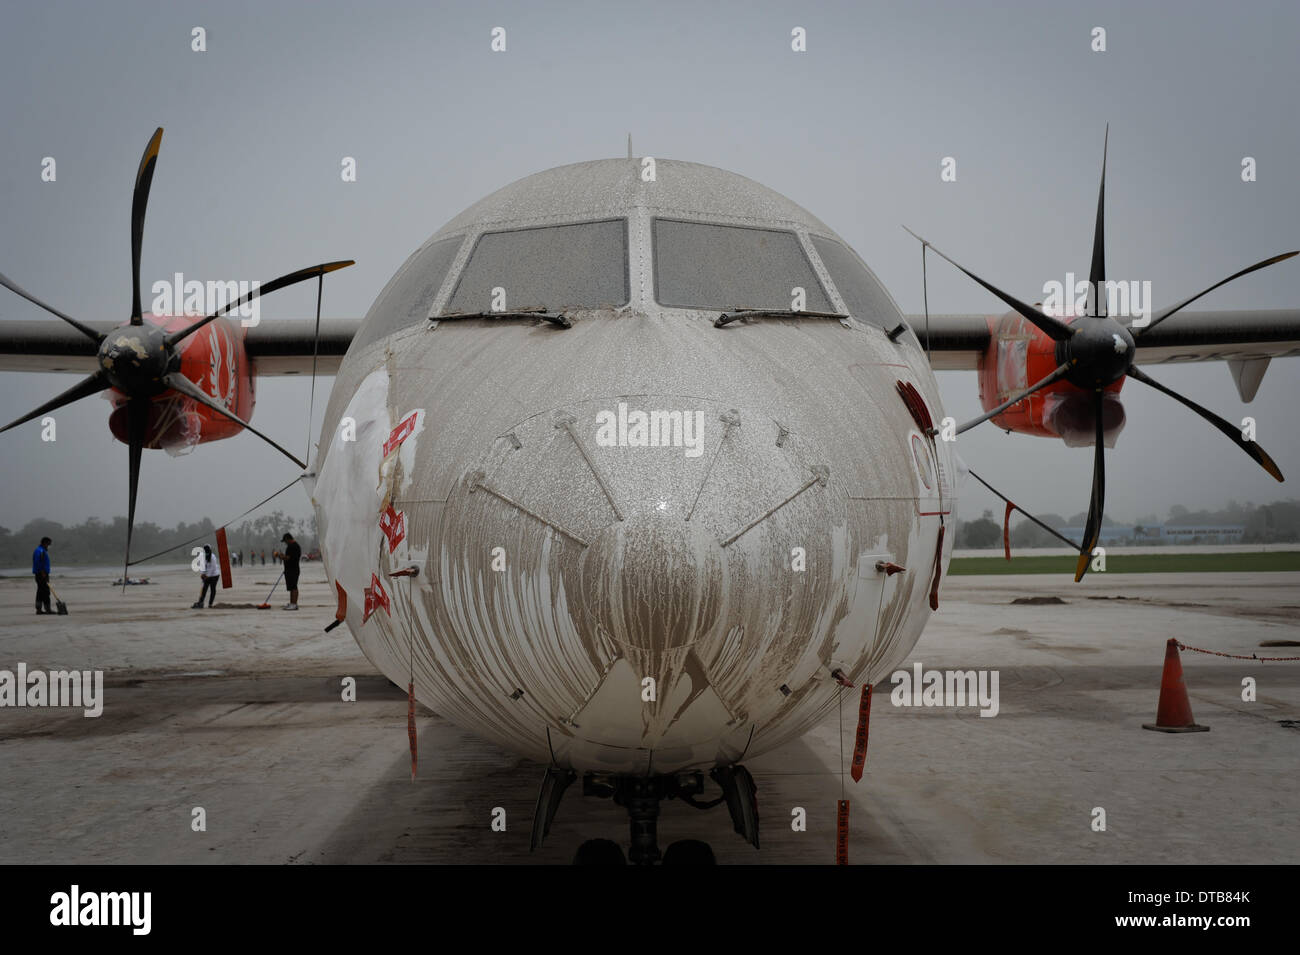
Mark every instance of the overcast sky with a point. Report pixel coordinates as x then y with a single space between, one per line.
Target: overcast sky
854 129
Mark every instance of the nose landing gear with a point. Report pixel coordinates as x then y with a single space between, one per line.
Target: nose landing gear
640 796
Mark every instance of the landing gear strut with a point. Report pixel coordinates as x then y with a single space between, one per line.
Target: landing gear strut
640 796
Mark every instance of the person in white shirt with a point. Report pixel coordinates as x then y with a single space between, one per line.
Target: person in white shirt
210 573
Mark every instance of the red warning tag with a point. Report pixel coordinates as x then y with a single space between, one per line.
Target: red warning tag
842 833
938 568
860 740
410 722
341 611
223 555
1006 529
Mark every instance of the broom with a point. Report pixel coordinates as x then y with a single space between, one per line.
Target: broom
267 604
61 607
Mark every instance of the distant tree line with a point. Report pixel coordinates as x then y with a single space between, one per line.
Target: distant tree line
1276 523
97 542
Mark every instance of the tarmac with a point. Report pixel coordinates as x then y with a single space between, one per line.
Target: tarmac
239 711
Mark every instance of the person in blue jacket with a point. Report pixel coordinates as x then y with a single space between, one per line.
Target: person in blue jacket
41 571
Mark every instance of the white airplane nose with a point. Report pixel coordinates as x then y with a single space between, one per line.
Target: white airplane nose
663 579
653 581
636 583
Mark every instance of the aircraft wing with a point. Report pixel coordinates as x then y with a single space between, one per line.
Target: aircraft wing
277 347
1247 340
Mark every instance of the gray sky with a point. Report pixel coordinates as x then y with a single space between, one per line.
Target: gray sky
248 185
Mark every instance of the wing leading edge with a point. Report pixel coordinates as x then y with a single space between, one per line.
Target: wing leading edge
1244 339
277 348
1237 337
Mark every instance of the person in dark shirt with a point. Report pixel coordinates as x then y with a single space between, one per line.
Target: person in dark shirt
41 571
291 556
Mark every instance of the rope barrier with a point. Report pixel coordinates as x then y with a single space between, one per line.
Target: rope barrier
1236 656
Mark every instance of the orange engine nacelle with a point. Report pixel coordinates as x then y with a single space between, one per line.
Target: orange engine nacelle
214 359
1018 355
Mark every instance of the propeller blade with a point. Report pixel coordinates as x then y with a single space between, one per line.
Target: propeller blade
87 386
1060 372
275 285
86 330
139 204
315 349
137 424
180 383
1097 274
1260 456
1162 315
1053 328
1092 530
1051 530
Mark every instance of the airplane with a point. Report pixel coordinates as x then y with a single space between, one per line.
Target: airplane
634 465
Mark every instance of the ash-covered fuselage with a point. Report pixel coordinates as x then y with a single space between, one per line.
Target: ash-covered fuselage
644 543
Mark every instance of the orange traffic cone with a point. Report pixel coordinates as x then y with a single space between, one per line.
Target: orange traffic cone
1174 712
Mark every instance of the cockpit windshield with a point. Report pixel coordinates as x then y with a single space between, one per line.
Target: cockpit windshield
407 297
864 297
712 266
583 265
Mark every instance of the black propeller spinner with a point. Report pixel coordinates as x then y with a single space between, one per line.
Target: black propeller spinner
1095 351
142 360
136 359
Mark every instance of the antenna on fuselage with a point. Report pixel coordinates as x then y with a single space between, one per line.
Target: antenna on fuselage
629 145
925 287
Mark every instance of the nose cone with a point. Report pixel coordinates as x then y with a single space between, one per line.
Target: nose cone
651 593
653 581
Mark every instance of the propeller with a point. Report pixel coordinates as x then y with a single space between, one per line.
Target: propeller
284 281
178 382
1056 375
1165 313
1258 454
139 203
1096 350
1097 505
86 330
141 360
1097 272
87 386
137 427
1053 328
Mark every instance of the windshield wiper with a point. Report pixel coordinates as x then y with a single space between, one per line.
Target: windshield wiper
559 319
727 317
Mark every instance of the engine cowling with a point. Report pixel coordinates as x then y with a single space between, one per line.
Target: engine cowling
1018 355
214 359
